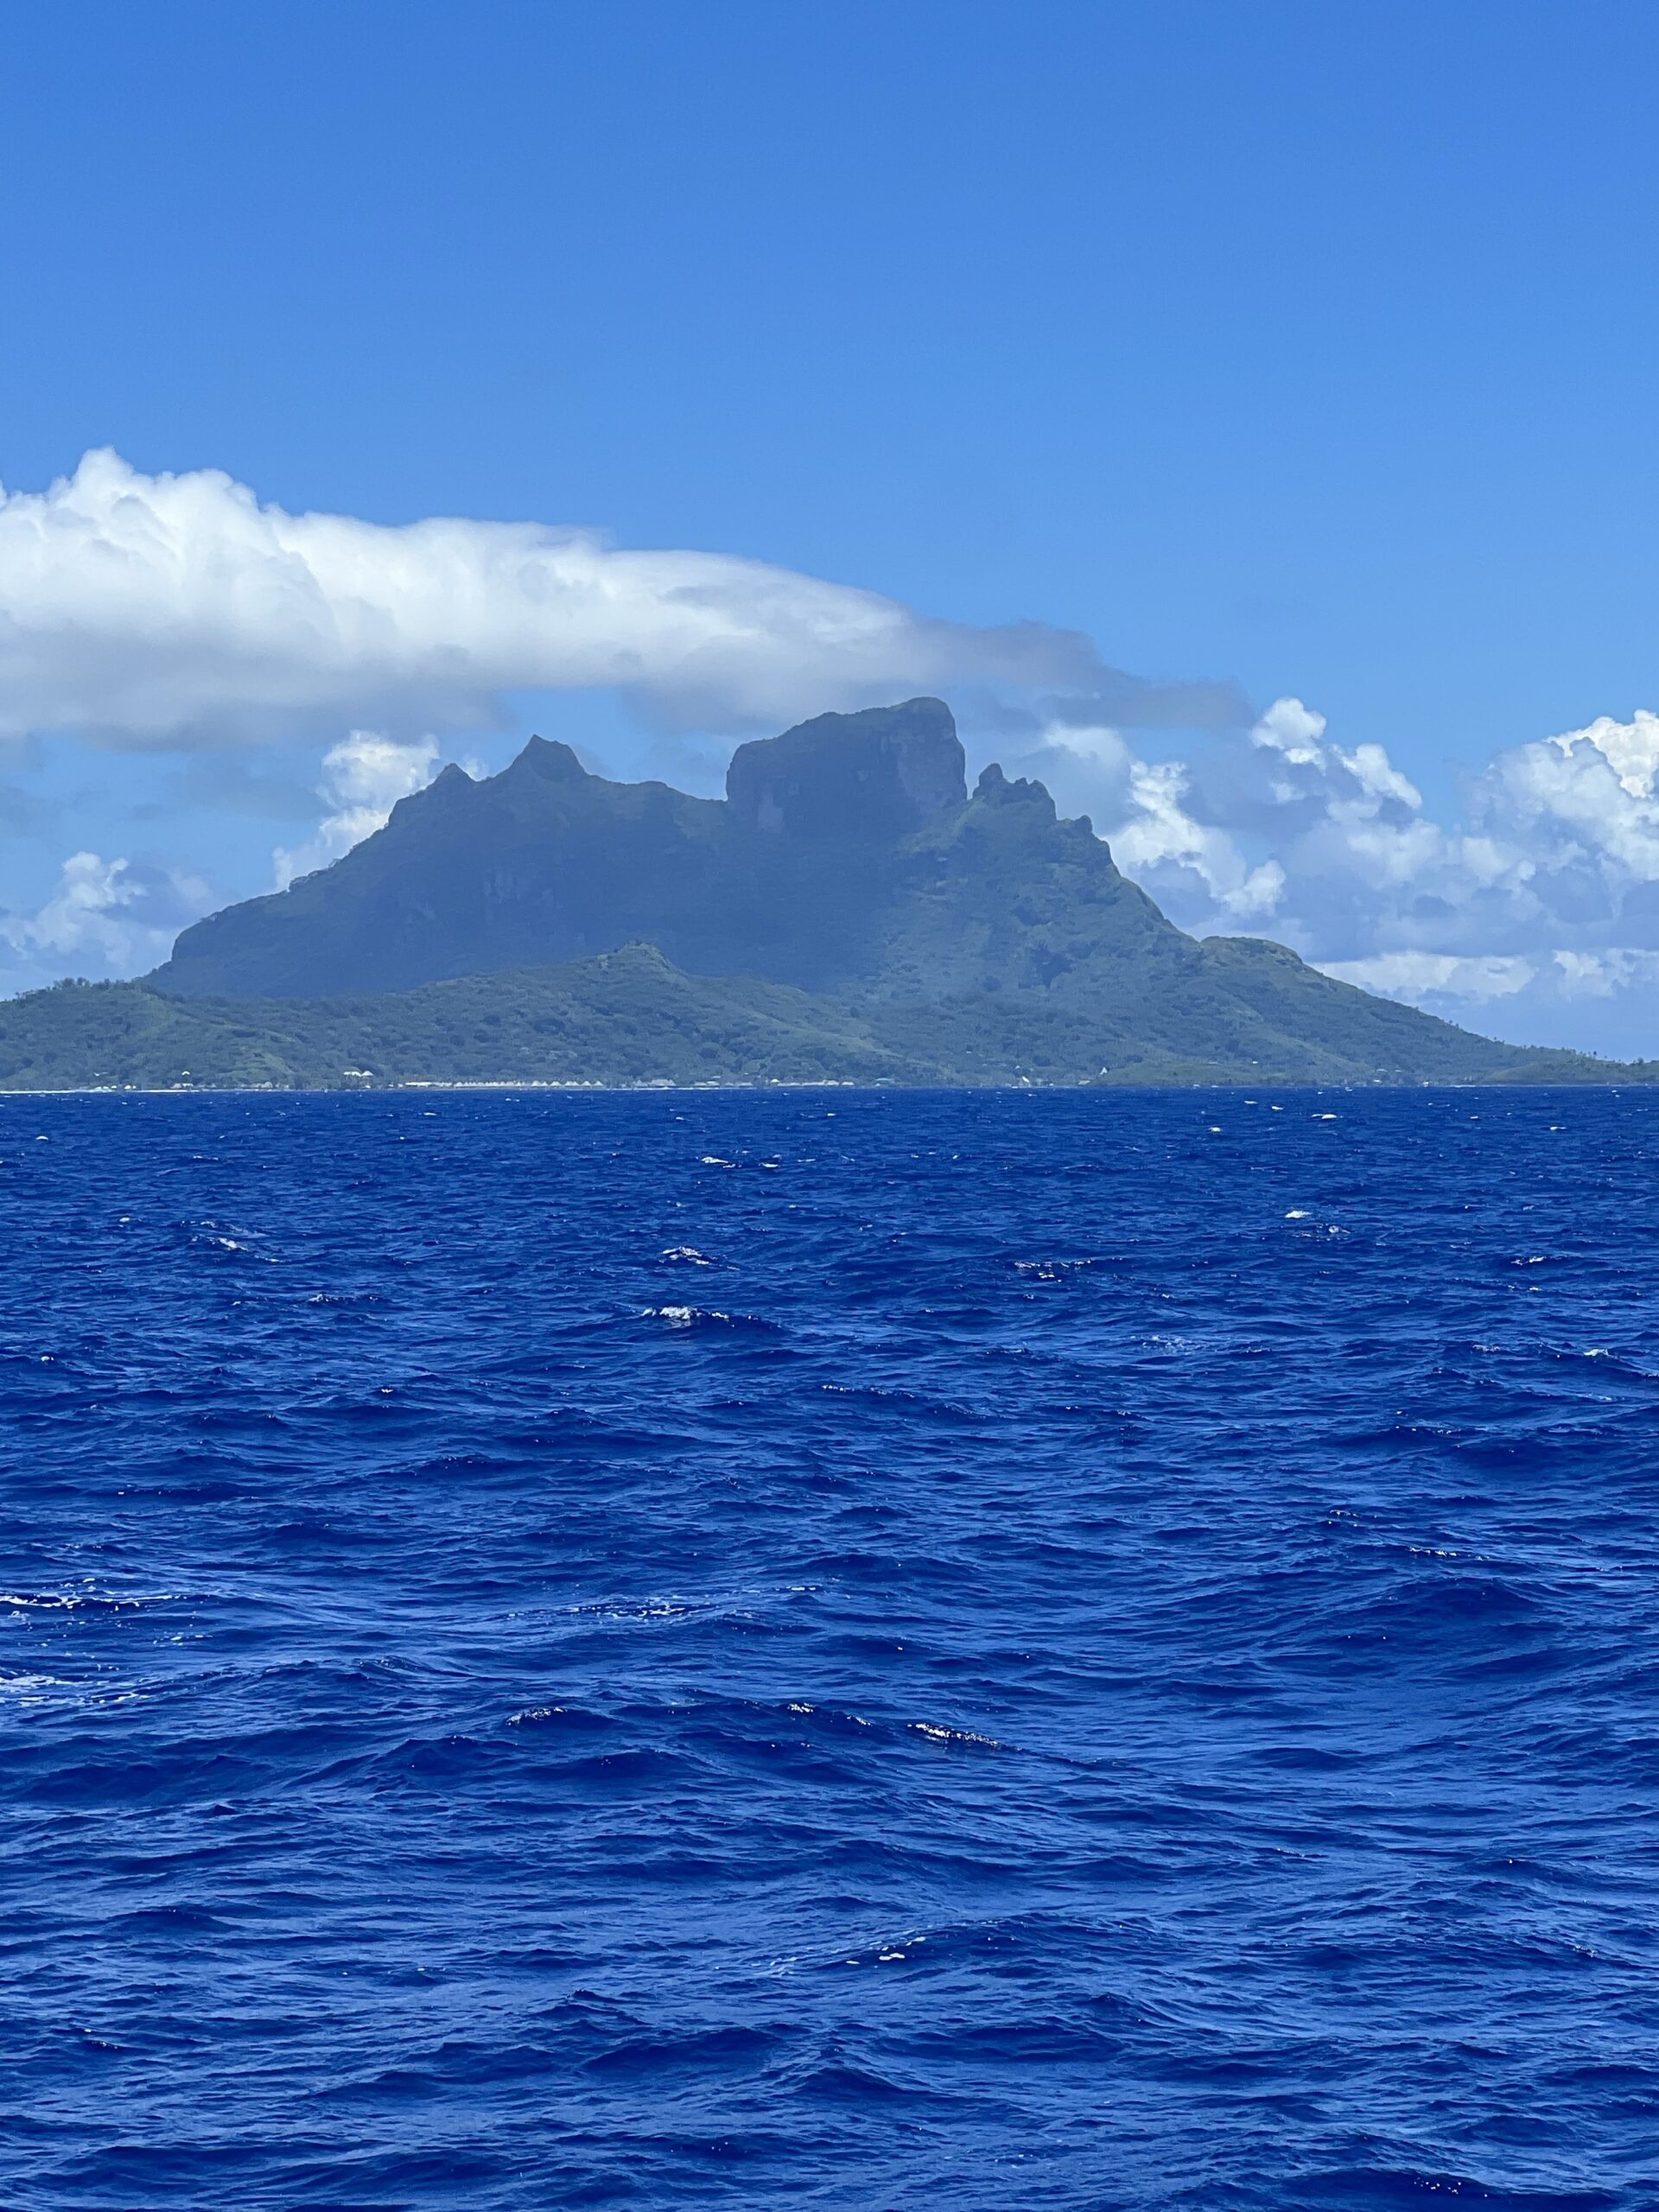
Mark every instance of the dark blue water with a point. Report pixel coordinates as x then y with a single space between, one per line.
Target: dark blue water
976 1651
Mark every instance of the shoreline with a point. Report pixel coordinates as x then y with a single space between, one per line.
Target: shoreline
425 1086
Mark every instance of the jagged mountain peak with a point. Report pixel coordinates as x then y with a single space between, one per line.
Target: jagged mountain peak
847 855
547 757
995 789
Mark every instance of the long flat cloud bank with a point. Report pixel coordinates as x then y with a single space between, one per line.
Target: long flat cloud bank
177 609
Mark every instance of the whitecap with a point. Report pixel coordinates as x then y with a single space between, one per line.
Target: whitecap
29 1689
938 1734
69 1601
684 1316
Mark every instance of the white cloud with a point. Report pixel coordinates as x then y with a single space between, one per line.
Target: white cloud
1294 730
1600 975
363 779
1585 800
1240 838
1630 748
1416 976
168 609
1158 833
102 918
1537 912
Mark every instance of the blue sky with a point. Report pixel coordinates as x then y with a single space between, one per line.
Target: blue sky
1285 351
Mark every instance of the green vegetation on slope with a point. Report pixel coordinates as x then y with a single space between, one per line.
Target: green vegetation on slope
630 1018
621 1018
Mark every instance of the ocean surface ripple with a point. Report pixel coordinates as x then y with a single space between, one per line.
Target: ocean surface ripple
834 1649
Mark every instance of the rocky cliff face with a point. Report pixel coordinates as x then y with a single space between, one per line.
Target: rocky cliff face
874 777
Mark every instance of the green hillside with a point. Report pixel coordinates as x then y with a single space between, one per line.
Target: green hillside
629 1017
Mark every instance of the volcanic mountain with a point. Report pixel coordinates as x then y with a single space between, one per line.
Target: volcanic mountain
848 909
846 855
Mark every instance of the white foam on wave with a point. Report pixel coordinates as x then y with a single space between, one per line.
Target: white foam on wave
32 1689
69 1601
683 1317
938 1734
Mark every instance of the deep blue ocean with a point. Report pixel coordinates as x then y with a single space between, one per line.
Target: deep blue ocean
1077 1650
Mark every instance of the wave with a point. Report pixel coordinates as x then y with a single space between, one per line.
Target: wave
943 1652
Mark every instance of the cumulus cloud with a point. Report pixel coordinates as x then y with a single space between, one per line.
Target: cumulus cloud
1602 975
177 609
1157 834
1535 913
363 779
1473 979
102 917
